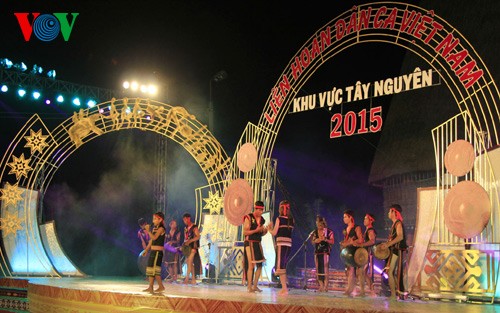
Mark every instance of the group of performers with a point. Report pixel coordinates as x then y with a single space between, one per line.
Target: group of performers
323 239
254 228
158 240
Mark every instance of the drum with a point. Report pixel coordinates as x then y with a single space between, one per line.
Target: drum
347 255
381 252
361 257
186 250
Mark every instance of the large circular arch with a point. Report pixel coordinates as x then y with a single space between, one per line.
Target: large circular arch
36 153
416 29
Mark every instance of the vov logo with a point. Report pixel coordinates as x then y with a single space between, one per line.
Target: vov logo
46 27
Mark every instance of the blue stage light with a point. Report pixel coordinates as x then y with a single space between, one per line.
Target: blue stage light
91 103
51 74
6 63
4 88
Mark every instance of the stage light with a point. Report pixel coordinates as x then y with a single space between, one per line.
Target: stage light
47 102
126 85
134 86
60 99
4 88
36 95
37 69
91 103
21 92
23 67
152 89
6 63
144 88
76 101
51 74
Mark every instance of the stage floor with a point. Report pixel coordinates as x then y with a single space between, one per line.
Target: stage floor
115 294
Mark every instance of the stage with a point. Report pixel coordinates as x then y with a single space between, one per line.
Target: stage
116 294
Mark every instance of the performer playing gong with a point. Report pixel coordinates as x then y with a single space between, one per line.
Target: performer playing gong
323 239
191 240
282 231
397 245
352 234
254 229
370 236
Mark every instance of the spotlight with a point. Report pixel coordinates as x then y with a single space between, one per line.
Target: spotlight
47 102
76 101
134 86
6 63
21 92
4 88
152 89
91 103
126 85
60 99
51 74
36 95
36 69
144 88
23 67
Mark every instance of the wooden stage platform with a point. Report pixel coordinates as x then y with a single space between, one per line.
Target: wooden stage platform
115 294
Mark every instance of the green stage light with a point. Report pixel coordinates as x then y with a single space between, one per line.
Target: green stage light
76 101
60 99
4 88
36 95
21 92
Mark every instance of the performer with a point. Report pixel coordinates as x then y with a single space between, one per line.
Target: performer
370 236
192 239
282 231
173 240
352 234
142 234
397 245
253 230
157 238
323 239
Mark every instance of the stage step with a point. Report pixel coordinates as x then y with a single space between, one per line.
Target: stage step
14 295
